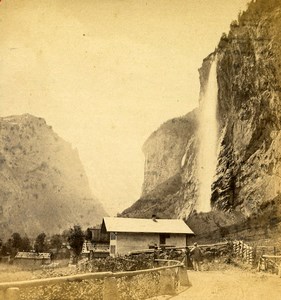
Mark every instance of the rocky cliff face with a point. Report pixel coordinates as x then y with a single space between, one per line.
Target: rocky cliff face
166 150
248 174
43 186
169 176
249 110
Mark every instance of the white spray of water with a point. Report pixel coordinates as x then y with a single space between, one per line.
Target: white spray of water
208 140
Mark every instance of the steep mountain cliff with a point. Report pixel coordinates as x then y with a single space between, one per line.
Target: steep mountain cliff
170 182
43 186
247 183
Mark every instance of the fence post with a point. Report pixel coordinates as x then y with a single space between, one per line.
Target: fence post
167 283
264 260
110 289
183 277
12 294
246 252
251 256
241 250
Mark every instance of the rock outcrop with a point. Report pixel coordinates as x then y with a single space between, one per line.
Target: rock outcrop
43 186
247 184
248 172
170 183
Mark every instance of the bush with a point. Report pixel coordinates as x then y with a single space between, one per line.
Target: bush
119 264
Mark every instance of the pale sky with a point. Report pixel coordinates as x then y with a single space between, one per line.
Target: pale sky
105 74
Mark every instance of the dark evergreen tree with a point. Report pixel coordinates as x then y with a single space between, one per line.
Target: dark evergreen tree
40 244
56 241
7 248
16 241
76 239
25 244
88 234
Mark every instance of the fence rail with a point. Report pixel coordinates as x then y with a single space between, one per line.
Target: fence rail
272 256
213 245
175 270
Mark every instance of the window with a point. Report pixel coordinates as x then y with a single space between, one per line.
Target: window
163 237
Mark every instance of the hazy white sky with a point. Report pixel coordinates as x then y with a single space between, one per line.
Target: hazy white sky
105 74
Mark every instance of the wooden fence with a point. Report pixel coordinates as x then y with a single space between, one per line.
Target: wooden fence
244 252
256 256
170 276
267 250
270 263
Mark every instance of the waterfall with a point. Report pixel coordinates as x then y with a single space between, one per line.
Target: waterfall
208 140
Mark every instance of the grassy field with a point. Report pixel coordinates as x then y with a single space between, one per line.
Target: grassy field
10 272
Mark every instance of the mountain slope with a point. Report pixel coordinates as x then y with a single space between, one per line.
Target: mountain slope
43 186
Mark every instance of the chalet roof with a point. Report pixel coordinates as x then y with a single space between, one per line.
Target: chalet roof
116 224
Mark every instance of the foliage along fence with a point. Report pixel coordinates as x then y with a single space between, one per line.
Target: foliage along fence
117 264
131 285
211 251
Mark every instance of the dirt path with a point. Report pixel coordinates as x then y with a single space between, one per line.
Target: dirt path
232 284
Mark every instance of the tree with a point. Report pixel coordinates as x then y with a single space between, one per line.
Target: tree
56 241
4 251
16 241
40 245
19 244
88 234
65 234
76 239
7 248
25 244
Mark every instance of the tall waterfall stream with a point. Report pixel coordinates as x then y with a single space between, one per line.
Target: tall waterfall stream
208 140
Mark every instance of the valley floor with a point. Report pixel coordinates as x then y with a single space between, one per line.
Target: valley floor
232 284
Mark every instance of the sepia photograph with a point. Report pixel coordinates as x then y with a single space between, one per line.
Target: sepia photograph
140 149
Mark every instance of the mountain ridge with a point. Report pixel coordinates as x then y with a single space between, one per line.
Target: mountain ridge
41 180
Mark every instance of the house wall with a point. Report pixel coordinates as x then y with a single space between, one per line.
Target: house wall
177 240
126 242
99 236
30 262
